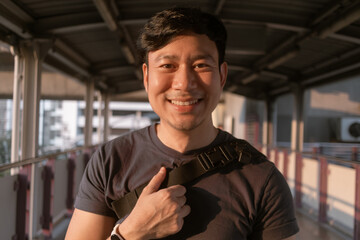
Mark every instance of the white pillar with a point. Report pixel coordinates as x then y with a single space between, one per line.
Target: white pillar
89 99
34 52
31 99
99 116
268 123
106 117
297 124
268 126
18 76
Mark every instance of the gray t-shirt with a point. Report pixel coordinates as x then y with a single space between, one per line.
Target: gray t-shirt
247 202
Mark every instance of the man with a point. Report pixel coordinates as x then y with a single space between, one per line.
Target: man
184 74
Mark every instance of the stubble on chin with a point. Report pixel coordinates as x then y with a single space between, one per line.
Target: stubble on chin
184 126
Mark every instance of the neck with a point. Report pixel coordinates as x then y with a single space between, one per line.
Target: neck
182 141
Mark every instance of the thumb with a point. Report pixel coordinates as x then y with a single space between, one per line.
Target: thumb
155 182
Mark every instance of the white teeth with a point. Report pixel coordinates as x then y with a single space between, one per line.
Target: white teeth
184 103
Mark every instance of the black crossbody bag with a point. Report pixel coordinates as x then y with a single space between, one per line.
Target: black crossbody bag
207 162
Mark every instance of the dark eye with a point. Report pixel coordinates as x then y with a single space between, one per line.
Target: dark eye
201 65
167 66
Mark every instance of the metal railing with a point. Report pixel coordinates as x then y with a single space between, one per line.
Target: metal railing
323 186
38 193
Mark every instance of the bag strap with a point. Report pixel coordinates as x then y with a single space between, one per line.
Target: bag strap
211 160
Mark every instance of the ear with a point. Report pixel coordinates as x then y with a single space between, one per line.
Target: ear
145 76
223 73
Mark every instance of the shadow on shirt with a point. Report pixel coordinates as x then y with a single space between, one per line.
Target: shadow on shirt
204 208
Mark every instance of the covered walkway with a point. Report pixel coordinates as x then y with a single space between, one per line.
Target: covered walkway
292 91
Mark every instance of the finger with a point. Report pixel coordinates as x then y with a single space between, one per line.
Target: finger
155 182
184 211
181 201
177 190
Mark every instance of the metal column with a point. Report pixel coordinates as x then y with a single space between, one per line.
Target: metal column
89 99
297 133
34 52
99 116
18 76
268 126
297 124
106 117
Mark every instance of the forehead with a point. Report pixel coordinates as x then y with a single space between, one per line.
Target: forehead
186 46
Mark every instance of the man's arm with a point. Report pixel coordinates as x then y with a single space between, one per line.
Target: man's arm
157 214
88 226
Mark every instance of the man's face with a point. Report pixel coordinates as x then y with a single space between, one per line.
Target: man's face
184 82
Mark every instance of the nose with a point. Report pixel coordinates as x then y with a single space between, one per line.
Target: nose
185 79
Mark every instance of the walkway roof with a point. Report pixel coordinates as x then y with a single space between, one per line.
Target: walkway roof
273 45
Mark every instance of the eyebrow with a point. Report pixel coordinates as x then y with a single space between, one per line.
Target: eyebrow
193 58
161 57
203 56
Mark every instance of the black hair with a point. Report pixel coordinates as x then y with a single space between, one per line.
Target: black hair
173 22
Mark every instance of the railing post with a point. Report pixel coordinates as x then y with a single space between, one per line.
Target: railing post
354 154
286 164
268 152
21 186
323 189
298 179
315 151
71 165
46 218
276 160
357 202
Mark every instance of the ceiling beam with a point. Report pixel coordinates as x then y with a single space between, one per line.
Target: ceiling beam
78 28
238 68
219 7
70 63
244 52
109 16
270 25
328 74
288 49
350 16
13 23
17 11
120 70
323 64
54 23
290 28
274 75
77 58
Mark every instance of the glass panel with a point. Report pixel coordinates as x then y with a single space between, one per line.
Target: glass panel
283 117
6 92
58 125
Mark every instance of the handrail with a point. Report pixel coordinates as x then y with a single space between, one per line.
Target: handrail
312 154
331 158
41 158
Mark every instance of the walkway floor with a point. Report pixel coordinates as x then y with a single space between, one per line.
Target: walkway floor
311 229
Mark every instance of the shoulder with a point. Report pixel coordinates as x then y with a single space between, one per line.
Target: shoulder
253 165
125 142
115 154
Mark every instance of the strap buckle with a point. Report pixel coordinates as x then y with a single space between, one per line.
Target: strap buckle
218 156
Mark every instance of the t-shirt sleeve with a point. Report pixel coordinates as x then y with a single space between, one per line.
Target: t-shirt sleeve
276 219
91 194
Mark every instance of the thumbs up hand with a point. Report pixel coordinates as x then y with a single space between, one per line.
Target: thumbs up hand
157 213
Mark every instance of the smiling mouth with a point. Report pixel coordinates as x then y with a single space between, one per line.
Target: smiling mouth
184 103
